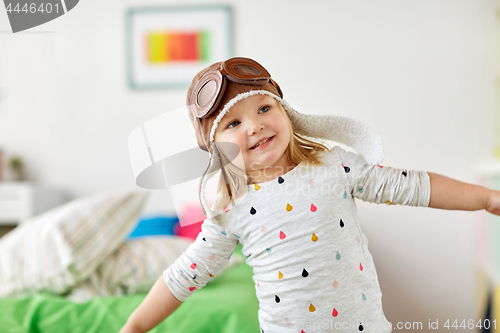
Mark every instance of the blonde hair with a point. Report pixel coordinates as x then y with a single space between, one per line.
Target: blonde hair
233 180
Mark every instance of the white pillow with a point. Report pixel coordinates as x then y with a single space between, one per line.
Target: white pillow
58 249
135 267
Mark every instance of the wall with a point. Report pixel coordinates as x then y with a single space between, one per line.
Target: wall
423 74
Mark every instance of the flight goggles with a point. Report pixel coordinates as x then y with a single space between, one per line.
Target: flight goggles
208 91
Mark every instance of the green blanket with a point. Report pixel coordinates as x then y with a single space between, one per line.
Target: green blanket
227 304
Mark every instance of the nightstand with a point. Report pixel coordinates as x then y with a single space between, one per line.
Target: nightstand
21 200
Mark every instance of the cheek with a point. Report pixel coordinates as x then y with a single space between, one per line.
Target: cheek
237 141
230 149
223 137
286 137
283 128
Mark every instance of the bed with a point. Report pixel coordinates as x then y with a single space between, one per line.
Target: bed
73 269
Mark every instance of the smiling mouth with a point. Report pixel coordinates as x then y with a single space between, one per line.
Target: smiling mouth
263 142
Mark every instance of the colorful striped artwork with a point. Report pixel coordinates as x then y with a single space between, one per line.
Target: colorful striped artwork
174 46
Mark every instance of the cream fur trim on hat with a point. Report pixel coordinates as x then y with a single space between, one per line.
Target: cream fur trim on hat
340 129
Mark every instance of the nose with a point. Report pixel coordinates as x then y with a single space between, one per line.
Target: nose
255 125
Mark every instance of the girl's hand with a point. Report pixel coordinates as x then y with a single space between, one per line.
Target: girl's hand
493 205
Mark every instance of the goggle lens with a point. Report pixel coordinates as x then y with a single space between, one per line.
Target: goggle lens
206 93
245 70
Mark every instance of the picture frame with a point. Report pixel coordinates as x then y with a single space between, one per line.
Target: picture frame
167 45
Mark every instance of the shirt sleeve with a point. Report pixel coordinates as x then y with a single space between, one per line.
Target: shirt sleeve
383 184
201 261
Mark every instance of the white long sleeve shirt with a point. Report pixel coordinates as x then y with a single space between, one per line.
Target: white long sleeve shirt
312 268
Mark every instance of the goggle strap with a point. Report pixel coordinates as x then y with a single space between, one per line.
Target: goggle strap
275 84
201 133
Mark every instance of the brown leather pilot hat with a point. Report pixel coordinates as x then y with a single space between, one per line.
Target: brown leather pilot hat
232 89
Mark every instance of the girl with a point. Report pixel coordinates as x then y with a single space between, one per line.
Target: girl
289 201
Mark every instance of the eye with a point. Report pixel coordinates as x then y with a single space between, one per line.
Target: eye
229 126
264 108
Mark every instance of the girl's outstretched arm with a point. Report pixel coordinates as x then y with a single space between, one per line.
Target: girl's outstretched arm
448 193
158 305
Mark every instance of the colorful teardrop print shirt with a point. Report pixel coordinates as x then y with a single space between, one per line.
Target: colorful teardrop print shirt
300 234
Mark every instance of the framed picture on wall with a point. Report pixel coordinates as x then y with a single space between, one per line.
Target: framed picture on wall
167 46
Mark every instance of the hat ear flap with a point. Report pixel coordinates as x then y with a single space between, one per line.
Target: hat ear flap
222 160
351 132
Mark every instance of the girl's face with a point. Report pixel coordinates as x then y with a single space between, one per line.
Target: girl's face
249 121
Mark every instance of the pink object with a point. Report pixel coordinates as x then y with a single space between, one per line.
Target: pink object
190 222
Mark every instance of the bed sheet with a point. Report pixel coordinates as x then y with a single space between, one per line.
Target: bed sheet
227 304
